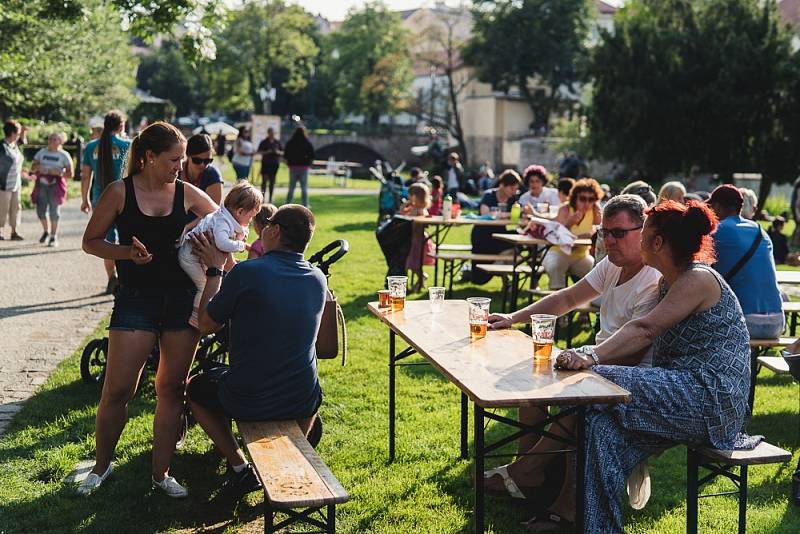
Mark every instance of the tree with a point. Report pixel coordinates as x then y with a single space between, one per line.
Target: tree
374 66
537 46
706 83
63 68
440 48
166 74
262 37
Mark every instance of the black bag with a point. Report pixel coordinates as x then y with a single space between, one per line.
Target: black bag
394 238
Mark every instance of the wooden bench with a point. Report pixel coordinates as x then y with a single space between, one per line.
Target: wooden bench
759 347
455 247
454 260
792 310
776 364
293 475
506 271
723 463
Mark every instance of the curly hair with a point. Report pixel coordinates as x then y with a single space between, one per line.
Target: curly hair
584 185
535 170
686 229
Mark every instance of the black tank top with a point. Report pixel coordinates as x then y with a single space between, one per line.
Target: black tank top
159 235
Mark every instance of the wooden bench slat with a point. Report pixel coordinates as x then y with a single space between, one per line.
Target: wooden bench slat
468 256
291 471
455 247
791 307
503 269
764 453
779 342
776 364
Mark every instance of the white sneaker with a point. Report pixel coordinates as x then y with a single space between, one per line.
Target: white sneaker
93 481
171 487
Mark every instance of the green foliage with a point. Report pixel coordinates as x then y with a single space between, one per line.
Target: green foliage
260 38
537 46
167 74
63 69
373 69
707 83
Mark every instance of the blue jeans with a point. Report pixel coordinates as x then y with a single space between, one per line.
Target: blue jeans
298 175
765 325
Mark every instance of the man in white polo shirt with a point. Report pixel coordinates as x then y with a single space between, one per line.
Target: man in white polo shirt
628 289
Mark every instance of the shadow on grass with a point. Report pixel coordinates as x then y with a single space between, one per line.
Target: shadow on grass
356 227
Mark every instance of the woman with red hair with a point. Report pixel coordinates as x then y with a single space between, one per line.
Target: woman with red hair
696 391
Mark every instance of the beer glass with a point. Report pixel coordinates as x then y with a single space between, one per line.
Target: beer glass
436 296
543 329
478 316
384 298
397 291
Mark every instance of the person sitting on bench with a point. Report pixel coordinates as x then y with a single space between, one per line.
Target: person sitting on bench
274 305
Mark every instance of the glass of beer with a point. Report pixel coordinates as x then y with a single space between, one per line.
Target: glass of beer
543 329
436 296
397 291
384 298
478 316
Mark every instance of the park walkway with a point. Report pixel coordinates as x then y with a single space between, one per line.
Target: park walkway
50 300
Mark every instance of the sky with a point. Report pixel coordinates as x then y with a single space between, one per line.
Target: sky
337 9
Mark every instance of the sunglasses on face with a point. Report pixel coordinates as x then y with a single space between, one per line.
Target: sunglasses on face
616 233
587 199
201 161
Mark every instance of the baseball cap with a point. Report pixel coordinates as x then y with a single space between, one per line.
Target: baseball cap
96 122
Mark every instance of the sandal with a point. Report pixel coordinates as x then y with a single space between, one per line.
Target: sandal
638 486
511 488
549 522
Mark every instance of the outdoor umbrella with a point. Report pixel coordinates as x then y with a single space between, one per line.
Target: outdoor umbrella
216 128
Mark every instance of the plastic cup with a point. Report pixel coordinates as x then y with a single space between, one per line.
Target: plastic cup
436 297
478 316
543 329
397 291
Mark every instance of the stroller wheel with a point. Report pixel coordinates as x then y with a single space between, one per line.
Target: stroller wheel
94 360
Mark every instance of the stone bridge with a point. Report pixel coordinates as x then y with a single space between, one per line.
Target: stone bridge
366 149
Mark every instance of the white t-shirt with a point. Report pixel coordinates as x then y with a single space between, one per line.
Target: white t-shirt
240 159
548 194
622 303
52 162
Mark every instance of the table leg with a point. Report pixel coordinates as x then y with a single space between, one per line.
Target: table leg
580 473
436 241
464 424
479 468
514 282
392 341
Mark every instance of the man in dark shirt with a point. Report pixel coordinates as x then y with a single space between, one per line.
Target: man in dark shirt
271 151
274 305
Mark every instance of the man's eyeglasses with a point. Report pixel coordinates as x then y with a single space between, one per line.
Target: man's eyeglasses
616 233
201 161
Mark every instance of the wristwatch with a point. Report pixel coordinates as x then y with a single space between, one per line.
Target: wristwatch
588 350
213 271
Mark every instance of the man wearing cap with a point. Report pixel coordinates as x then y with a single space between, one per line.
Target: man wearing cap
744 259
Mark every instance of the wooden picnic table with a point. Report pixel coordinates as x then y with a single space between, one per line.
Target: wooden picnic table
441 228
530 250
496 371
788 277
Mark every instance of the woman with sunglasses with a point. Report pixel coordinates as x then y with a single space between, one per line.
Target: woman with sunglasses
198 170
580 215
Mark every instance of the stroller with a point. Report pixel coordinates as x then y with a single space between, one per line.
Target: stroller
392 192
212 350
394 238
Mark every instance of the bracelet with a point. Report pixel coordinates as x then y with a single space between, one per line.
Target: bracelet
589 351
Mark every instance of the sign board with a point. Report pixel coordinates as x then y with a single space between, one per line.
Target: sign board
260 125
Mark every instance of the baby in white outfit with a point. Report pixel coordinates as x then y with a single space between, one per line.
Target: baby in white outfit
229 227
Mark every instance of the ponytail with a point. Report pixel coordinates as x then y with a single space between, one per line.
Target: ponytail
105 151
157 138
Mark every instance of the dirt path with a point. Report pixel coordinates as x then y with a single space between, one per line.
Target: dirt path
50 300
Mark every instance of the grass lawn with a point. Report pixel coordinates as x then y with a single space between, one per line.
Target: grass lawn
428 489
316 181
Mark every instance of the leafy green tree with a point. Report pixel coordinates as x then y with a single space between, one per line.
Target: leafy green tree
537 46
707 82
167 74
373 69
63 68
261 38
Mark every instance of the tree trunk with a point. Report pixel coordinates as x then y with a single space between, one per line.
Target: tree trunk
456 129
258 104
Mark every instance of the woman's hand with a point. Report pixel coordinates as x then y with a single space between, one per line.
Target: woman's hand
203 247
500 321
139 253
572 359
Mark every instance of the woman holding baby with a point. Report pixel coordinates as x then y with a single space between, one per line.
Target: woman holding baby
154 302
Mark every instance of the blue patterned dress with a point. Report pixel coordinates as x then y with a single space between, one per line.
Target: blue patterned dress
696 392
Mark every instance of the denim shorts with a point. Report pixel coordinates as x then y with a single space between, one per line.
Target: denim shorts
152 309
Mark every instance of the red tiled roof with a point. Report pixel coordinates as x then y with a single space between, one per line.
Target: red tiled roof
604 8
790 11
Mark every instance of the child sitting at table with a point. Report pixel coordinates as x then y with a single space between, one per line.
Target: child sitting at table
419 200
260 221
